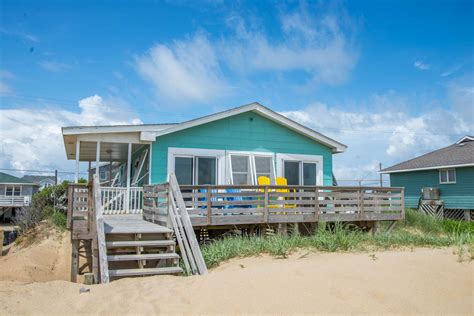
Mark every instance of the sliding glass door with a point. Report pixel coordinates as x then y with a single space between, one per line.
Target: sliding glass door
196 170
300 172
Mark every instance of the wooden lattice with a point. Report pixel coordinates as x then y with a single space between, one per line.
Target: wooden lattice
454 213
431 208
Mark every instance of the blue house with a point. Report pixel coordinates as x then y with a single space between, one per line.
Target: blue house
450 169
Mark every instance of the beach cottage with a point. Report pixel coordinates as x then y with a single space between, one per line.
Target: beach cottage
441 181
246 168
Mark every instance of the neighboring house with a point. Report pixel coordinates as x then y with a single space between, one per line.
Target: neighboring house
41 181
230 147
110 174
451 169
14 193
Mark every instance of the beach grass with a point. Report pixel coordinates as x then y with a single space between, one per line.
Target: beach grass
416 230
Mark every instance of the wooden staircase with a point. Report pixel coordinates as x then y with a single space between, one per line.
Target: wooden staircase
137 248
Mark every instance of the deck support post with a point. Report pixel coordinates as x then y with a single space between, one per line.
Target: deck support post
76 174
75 260
129 170
97 159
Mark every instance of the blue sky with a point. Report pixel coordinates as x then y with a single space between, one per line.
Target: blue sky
391 79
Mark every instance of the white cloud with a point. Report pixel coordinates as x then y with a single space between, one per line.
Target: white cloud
420 65
379 135
5 87
31 138
185 70
319 46
53 66
22 35
315 45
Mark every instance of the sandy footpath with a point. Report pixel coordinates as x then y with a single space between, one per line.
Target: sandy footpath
408 282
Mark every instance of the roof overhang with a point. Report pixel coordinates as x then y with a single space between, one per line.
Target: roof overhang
18 183
255 107
427 168
466 138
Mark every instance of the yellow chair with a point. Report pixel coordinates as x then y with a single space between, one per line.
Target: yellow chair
264 180
283 182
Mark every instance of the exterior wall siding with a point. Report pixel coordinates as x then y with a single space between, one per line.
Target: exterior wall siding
456 195
244 132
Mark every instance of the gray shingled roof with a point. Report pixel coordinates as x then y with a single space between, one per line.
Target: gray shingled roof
456 154
37 179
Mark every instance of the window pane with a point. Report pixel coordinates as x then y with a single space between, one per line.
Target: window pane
240 169
309 174
452 175
240 163
9 191
17 191
263 167
183 168
443 176
206 170
292 172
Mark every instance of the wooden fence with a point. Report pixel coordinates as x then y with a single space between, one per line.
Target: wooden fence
232 205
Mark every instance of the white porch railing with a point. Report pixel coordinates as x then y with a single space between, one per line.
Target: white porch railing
114 200
15 200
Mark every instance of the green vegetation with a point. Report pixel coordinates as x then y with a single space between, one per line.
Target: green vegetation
49 204
416 230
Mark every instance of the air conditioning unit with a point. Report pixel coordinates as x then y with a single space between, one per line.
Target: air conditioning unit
430 193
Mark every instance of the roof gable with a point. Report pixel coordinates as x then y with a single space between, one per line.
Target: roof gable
263 111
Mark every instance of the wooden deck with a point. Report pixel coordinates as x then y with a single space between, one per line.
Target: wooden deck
132 224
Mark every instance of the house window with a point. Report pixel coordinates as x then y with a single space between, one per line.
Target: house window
103 175
240 169
447 176
13 190
246 168
196 170
300 172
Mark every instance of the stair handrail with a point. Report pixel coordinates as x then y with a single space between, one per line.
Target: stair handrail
194 254
100 233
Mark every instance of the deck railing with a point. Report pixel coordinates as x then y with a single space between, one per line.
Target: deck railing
233 205
114 200
15 200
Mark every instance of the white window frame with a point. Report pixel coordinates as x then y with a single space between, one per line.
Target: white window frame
318 159
253 171
198 152
447 176
13 189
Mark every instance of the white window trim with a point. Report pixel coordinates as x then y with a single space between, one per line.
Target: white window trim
447 176
13 189
198 152
318 159
251 155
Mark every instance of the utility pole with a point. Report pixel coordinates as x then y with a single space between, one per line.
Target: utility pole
56 176
380 169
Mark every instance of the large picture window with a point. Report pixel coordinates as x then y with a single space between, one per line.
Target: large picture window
13 190
299 172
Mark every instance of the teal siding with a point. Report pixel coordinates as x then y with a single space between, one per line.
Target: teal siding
246 132
457 195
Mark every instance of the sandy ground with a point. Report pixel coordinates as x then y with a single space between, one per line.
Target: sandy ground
44 255
405 282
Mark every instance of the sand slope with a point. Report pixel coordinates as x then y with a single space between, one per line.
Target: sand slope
45 255
422 281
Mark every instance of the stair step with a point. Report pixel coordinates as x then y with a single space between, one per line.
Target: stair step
139 243
145 256
145 271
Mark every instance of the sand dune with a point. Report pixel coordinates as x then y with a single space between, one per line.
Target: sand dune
420 281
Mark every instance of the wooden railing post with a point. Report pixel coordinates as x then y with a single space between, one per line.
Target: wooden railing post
316 204
265 217
361 202
209 205
403 202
